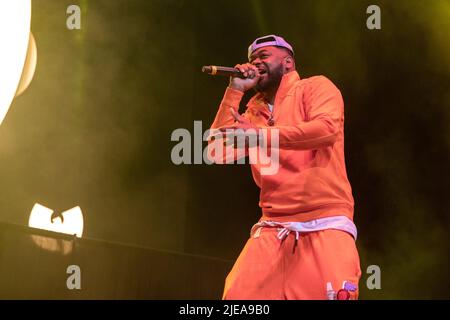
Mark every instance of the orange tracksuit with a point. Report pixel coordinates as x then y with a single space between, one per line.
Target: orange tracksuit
311 183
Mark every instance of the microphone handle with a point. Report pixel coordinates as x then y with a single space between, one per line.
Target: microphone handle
222 71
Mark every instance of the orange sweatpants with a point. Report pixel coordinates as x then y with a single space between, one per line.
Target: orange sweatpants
272 269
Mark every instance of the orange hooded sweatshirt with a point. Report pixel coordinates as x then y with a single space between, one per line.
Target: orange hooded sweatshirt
311 181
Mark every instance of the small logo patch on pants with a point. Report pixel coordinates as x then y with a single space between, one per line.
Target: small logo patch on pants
349 291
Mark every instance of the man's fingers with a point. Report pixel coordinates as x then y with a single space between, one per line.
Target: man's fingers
236 115
252 70
248 70
241 68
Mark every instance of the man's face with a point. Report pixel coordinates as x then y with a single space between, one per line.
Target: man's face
269 61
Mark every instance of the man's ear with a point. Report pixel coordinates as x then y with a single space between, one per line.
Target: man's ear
289 62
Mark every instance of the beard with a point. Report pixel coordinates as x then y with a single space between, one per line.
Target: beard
271 80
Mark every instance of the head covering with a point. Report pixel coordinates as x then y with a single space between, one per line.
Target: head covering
270 40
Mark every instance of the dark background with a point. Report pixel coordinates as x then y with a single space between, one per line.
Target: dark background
94 127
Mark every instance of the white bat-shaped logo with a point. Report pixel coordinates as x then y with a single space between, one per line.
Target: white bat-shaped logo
69 221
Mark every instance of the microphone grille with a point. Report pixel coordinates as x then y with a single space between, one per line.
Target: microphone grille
206 69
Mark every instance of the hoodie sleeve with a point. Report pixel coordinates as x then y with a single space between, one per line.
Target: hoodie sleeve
324 108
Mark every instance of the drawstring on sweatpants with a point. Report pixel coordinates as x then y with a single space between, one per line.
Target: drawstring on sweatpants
284 232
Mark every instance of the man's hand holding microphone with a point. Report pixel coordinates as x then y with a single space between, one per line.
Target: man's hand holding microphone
251 77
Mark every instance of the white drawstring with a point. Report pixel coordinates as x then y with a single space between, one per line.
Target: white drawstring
284 232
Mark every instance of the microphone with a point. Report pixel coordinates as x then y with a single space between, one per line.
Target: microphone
222 71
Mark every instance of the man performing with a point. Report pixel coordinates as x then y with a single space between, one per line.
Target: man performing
303 247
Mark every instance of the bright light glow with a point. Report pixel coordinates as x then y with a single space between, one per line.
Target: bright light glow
61 246
15 18
29 67
41 218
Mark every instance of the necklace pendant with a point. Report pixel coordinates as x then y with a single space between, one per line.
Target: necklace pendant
271 122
